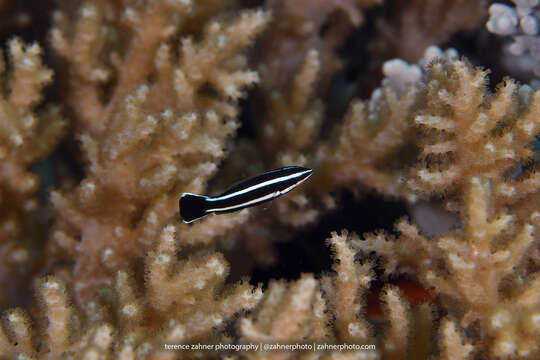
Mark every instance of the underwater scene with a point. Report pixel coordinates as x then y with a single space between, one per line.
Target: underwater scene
270 179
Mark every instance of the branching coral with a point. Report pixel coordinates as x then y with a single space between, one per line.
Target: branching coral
147 54
331 311
521 56
474 271
133 327
461 130
453 344
162 132
26 136
367 130
298 29
418 24
470 132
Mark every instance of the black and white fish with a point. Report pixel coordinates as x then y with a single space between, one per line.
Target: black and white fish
253 191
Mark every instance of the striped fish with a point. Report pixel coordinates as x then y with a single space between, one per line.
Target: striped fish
250 192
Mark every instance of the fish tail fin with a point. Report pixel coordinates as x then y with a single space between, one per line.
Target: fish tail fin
192 207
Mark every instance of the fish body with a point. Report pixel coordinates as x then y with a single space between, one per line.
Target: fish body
250 192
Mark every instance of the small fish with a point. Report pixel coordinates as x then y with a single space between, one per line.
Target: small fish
250 192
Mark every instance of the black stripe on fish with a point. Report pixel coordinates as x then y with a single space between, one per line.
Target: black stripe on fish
250 192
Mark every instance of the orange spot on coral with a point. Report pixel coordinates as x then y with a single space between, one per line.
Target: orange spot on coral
413 292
